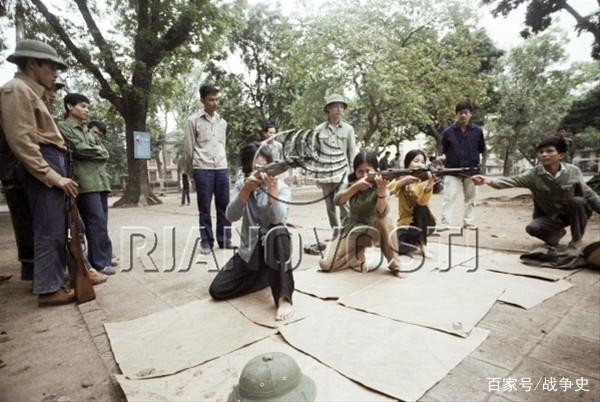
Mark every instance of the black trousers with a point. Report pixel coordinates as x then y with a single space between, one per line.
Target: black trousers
18 206
551 230
48 210
273 268
422 226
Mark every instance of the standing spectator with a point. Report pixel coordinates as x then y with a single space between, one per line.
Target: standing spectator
99 129
273 146
205 137
185 189
17 201
334 138
89 170
564 135
396 164
38 145
462 143
384 163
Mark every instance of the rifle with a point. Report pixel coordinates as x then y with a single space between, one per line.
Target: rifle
278 167
422 173
82 285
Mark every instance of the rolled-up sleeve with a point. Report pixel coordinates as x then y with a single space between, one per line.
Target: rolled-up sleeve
19 125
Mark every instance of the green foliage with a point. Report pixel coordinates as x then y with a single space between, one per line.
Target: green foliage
584 114
534 95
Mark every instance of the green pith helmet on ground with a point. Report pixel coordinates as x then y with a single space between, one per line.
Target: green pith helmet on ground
592 255
35 49
273 377
334 98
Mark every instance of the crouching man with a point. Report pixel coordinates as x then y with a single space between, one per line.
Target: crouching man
263 258
561 197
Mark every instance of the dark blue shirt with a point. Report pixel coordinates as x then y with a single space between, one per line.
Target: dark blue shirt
463 149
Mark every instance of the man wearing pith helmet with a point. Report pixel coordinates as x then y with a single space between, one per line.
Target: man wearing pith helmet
335 147
37 143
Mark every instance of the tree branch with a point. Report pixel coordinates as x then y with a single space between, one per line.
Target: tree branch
105 50
583 22
174 37
83 58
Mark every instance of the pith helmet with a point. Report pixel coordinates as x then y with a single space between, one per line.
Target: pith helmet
592 254
334 98
36 50
273 377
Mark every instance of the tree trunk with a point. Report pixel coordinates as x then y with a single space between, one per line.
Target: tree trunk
508 154
138 191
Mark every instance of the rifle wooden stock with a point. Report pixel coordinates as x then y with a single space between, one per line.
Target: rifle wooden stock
421 173
82 285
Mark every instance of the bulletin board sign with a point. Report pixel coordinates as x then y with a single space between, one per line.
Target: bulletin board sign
141 145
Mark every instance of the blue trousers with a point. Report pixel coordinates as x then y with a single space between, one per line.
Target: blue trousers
48 210
208 183
93 208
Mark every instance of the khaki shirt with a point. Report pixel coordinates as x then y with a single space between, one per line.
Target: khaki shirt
334 147
407 200
205 141
27 124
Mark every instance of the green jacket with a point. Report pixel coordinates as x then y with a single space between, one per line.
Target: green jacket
89 157
551 195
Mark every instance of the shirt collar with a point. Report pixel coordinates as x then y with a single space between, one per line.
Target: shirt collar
332 126
37 88
561 169
207 117
457 127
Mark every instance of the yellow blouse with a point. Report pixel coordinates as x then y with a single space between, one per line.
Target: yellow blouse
408 199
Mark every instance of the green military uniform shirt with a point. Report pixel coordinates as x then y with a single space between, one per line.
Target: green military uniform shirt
89 157
362 209
551 194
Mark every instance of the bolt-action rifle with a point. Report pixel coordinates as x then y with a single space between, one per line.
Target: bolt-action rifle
422 173
278 167
82 284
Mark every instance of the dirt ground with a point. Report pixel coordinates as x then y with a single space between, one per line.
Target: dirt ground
62 354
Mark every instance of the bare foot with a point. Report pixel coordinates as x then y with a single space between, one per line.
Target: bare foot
285 310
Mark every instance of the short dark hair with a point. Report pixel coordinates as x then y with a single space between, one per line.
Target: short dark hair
411 155
248 153
208 89
556 142
74 99
268 125
98 124
462 106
